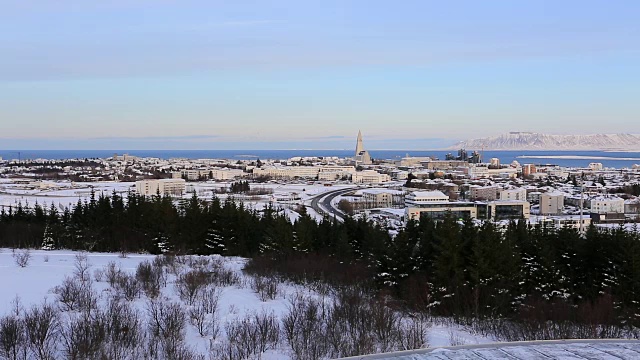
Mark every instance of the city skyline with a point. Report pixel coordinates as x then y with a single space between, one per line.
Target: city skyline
309 75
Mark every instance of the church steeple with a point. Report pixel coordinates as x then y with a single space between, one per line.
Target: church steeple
359 146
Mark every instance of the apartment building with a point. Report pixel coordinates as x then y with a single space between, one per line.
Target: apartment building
161 186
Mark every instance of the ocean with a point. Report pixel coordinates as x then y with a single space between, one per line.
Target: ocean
613 159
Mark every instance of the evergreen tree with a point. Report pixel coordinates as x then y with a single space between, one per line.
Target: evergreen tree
47 240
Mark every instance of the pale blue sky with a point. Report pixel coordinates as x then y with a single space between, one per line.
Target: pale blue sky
141 74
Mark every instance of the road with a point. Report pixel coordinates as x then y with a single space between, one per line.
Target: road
322 203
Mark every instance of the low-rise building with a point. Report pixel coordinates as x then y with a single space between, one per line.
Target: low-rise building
161 186
551 203
483 192
369 177
513 194
503 210
436 205
382 198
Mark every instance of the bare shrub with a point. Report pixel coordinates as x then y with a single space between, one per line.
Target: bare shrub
304 328
198 317
13 344
188 284
266 287
167 324
74 295
220 275
112 273
455 339
386 324
210 297
267 331
124 332
98 275
46 258
84 335
81 267
127 286
42 328
22 257
413 334
248 337
151 278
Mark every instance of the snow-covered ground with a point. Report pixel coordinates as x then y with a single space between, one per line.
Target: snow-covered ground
33 285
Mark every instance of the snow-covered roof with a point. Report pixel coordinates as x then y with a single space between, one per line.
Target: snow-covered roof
430 194
557 349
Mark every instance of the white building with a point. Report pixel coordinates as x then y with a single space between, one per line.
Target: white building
551 203
307 172
607 205
513 194
595 166
369 177
435 204
381 198
477 172
418 198
161 186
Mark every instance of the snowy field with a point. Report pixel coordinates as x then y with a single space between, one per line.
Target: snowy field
35 283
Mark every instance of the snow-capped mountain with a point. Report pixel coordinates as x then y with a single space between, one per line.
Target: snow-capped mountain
538 141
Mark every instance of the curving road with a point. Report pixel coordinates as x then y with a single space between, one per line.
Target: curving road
322 203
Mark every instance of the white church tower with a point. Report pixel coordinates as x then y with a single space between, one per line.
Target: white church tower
362 155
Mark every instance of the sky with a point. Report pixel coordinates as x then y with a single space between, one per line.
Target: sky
284 74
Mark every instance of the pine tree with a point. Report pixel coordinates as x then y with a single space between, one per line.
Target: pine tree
215 243
47 240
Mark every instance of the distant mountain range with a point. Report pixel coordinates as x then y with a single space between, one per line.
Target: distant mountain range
538 141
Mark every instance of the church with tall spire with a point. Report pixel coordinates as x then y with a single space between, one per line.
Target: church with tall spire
362 155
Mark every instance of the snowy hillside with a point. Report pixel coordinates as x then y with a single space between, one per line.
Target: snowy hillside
151 307
538 141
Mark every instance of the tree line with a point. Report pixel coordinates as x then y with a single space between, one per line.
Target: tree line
451 268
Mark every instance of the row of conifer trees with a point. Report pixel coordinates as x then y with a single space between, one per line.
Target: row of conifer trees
450 267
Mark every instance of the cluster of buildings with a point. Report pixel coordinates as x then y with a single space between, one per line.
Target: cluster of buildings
406 188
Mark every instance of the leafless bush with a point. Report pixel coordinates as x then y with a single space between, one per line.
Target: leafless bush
203 312
98 275
267 330
188 284
13 344
220 275
84 335
81 267
304 329
46 258
124 333
42 331
198 317
386 323
266 287
127 286
22 257
112 273
195 262
455 339
151 278
74 295
413 334
210 297
167 323
248 337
